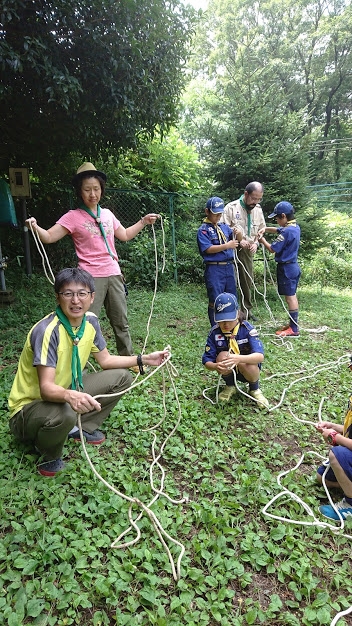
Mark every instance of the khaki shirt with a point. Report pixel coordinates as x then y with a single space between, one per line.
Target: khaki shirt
236 216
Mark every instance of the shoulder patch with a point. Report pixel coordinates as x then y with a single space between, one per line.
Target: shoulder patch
253 332
280 238
219 337
207 348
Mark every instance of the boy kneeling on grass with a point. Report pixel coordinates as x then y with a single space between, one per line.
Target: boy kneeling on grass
339 473
232 346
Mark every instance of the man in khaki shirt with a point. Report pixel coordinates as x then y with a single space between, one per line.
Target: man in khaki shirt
246 214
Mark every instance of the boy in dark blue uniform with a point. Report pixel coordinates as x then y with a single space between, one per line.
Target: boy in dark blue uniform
216 243
233 344
340 457
285 247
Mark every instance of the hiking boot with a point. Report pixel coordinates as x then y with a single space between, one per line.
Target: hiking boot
226 395
50 468
95 438
287 332
343 507
260 398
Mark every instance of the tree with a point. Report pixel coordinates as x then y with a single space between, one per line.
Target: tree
165 163
273 72
87 76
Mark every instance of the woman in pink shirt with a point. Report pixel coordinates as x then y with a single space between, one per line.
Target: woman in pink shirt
93 230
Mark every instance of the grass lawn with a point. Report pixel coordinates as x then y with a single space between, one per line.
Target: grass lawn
240 567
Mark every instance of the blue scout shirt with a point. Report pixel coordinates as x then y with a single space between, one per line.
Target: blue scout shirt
247 340
287 244
207 236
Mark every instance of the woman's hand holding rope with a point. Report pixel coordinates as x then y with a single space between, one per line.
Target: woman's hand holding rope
150 218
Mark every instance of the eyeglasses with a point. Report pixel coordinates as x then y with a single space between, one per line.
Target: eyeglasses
68 295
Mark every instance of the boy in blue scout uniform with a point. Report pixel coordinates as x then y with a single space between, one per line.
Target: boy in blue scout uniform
216 243
233 344
340 457
285 247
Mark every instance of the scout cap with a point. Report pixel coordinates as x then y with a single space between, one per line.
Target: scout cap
225 308
215 205
282 207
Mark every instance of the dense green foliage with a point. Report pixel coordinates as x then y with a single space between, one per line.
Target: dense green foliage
271 88
163 164
240 567
87 77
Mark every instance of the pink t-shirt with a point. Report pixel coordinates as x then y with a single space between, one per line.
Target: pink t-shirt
91 250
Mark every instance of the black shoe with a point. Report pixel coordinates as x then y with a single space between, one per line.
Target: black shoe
95 438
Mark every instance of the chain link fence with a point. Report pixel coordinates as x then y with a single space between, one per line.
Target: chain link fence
175 233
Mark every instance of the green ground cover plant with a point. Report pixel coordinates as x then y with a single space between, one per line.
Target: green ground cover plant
239 567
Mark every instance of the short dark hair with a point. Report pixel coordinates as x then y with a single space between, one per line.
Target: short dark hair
254 187
79 182
73 275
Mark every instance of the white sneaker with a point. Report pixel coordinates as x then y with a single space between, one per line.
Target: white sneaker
226 395
260 398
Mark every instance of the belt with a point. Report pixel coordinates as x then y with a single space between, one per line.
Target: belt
219 262
285 262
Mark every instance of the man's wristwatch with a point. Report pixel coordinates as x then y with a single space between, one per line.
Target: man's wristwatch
140 364
331 438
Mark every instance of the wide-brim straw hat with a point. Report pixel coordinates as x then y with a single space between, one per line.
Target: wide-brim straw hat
85 170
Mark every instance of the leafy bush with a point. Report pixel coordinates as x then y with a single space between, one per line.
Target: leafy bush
137 260
326 270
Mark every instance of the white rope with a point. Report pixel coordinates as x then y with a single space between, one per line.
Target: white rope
156 277
339 615
256 290
320 329
343 359
161 532
43 255
316 522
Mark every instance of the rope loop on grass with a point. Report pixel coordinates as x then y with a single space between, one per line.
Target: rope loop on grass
161 532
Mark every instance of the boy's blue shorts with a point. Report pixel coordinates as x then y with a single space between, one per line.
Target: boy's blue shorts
288 275
220 279
230 381
344 458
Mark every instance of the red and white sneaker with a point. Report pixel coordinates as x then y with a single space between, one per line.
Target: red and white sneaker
287 332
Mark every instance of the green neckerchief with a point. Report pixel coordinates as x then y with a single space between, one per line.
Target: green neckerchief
75 361
98 221
221 235
249 218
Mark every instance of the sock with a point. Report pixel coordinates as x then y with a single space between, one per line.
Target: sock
294 320
229 380
254 386
348 500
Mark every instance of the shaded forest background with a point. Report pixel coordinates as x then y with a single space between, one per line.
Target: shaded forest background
165 98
